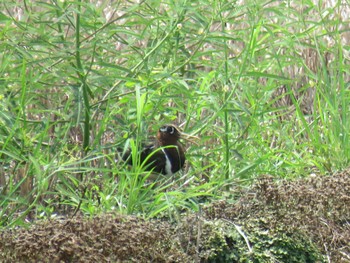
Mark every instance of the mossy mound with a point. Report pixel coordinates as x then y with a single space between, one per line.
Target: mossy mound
101 239
316 207
284 221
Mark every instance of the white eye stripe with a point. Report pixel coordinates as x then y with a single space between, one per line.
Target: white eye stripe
169 129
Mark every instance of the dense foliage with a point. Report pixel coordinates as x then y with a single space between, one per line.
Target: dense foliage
264 84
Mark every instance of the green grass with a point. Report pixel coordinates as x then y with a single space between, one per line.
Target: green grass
78 80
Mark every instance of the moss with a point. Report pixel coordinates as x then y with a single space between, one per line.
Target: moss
222 243
280 245
227 242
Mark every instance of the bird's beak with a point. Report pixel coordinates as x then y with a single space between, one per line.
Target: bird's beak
190 138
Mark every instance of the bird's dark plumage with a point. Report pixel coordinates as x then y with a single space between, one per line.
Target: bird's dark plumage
166 156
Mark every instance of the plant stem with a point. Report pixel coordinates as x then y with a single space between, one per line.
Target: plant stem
85 87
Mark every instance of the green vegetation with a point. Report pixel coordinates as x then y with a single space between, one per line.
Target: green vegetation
228 243
264 84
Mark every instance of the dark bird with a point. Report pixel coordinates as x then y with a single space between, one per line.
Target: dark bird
166 155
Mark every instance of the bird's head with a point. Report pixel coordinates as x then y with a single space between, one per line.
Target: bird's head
170 134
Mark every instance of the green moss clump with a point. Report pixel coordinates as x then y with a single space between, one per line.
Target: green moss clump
227 242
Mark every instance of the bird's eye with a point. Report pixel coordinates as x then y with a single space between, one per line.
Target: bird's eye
171 130
168 129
